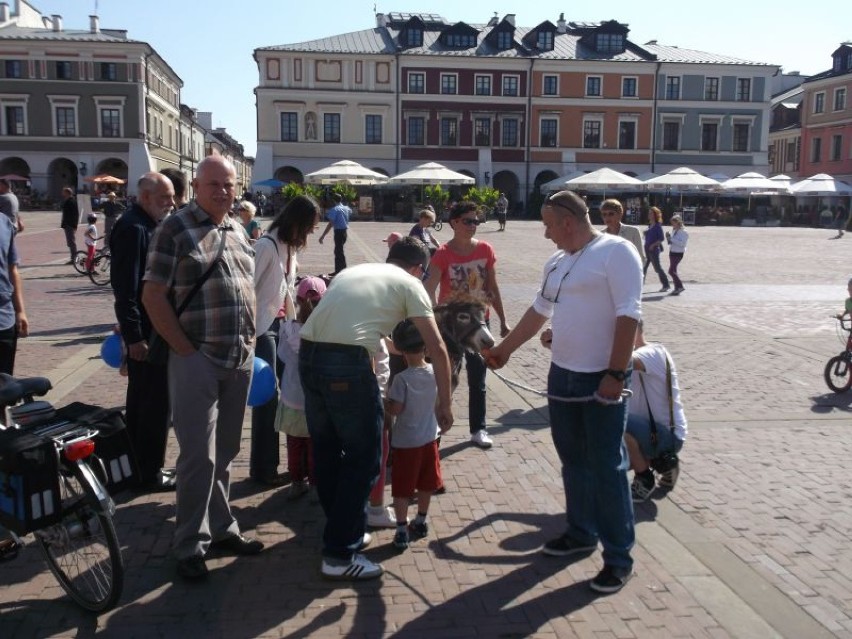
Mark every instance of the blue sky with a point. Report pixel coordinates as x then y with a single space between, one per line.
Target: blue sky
209 43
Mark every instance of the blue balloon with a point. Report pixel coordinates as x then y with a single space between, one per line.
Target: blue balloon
111 351
263 384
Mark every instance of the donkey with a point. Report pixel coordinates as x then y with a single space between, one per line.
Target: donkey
462 326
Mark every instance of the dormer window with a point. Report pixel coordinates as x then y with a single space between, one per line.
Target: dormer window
459 40
415 37
504 40
609 43
544 41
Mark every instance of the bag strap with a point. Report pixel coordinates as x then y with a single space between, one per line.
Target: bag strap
651 421
671 402
206 275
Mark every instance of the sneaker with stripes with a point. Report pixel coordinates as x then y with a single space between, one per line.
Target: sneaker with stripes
358 569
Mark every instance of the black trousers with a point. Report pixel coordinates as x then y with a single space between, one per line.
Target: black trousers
8 348
148 416
339 257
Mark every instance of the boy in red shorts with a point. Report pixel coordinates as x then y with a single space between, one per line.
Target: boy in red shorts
416 463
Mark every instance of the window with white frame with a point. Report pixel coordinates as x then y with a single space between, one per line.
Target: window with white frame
509 132
416 131
510 85
743 89
549 131
110 122
482 131
840 99
449 83
417 83
372 129
482 85
289 126
449 131
671 135
544 41
629 87
819 102
593 86
836 148
504 40
710 135
331 127
592 133
711 89
550 85
14 119
816 150
627 134
609 42
66 121
741 136
673 87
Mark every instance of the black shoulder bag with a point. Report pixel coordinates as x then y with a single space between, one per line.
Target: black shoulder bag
158 348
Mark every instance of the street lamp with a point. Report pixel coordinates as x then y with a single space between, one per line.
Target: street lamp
83 169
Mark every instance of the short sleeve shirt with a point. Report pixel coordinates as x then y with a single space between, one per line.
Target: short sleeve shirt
8 257
417 390
464 275
339 217
220 318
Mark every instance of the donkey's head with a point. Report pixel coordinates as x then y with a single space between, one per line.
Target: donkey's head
462 325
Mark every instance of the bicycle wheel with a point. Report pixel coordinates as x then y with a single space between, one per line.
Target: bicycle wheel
100 270
82 549
80 262
838 373
438 225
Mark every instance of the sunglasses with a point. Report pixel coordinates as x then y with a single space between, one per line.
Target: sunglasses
469 221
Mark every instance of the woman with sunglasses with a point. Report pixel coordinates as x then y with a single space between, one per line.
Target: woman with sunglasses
464 268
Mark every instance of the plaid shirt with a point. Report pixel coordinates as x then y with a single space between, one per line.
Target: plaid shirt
219 320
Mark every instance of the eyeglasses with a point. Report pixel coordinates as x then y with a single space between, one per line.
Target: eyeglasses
551 202
470 221
609 213
553 299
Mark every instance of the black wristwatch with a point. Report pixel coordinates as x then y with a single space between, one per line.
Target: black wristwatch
619 375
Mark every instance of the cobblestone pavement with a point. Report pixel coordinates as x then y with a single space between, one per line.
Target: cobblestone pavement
753 542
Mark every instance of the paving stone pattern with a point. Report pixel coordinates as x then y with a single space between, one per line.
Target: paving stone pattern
753 542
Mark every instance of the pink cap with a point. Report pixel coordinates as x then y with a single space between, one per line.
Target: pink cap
310 285
393 238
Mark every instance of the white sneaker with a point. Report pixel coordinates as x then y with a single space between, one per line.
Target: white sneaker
482 439
357 569
381 517
362 543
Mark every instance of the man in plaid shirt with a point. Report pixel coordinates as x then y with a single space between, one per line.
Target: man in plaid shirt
211 349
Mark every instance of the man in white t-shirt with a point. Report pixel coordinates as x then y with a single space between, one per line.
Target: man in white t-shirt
656 395
591 290
343 403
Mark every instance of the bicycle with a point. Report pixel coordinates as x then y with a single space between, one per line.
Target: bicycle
437 225
50 487
80 258
838 370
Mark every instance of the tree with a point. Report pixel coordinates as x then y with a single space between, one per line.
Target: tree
483 196
437 196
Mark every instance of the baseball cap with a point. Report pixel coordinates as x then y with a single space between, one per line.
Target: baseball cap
392 238
310 285
411 251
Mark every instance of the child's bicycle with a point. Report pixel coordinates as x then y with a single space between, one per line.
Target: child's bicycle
838 371
52 485
99 272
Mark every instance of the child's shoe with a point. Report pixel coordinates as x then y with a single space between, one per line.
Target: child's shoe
298 489
400 540
418 529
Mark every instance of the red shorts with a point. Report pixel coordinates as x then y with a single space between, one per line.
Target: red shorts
416 469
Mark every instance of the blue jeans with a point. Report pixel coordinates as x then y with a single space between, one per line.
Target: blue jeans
589 438
639 427
344 411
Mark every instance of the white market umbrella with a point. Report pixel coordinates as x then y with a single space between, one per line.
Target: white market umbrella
683 178
429 174
821 184
644 177
783 180
560 183
719 177
345 171
752 183
601 180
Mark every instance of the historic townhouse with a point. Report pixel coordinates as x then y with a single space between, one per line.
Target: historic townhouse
78 103
512 106
827 119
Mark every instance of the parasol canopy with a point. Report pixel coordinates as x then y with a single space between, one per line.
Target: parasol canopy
431 173
271 183
346 172
683 178
821 184
753 183
104 178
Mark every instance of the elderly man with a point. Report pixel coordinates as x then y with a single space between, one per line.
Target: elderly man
201 259
612 212
112 209
70 220
147 388
9 205
591 289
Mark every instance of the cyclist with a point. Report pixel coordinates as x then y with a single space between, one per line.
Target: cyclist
92 238
848 311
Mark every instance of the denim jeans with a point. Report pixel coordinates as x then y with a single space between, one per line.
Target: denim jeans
343 408
589 438
265 455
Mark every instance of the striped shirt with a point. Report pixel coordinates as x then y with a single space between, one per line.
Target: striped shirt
219 320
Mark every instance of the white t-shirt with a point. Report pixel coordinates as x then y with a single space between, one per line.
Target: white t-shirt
90 234
274 280
591 287
653 358
678 241
364 303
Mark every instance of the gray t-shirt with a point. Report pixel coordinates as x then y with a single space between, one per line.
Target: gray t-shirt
9 206
416 389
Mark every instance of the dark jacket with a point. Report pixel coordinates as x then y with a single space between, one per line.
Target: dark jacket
70 213
128 245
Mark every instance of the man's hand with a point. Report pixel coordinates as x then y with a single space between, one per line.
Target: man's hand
138 351
610 388
22 324
495 357
445 418
504 329
546 337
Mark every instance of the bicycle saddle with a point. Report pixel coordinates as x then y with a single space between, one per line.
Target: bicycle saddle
12 390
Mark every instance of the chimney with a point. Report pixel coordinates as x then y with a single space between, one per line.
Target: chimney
94 24
57 22
381 20
47 22
4 12
493 21
560 24
510 18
